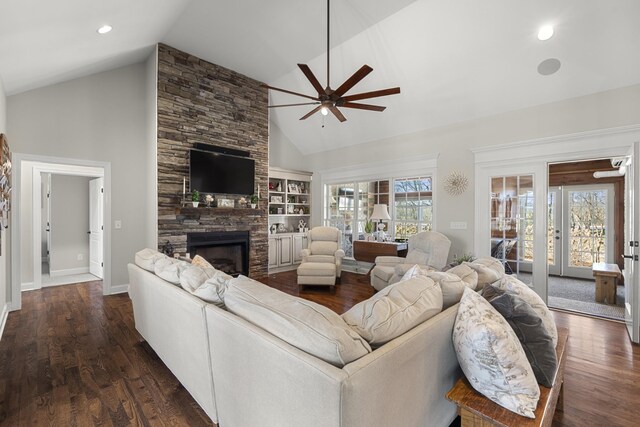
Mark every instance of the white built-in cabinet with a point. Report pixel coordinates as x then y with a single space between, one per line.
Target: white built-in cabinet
289 201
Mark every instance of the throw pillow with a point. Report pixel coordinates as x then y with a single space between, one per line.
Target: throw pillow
512 285
466 273
170 269
533 336
411 272
490 292
147 259
491 356
306 325
395 310
492 263
486 274
214 288
416 256
193 277
201 262
452 287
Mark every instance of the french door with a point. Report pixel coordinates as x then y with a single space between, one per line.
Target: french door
631 250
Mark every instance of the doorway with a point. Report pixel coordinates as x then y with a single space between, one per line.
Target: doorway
584 227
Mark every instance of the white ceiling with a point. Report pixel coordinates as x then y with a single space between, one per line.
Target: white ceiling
454 60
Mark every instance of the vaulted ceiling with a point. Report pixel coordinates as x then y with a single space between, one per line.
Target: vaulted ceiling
454 60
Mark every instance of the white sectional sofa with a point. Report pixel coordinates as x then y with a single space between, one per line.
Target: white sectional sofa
242 375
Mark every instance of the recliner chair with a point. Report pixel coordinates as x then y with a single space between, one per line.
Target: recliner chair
428 249
322 260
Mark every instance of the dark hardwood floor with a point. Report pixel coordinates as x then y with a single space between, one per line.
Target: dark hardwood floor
72 357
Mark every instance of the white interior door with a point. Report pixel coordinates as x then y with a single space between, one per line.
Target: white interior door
554 231
587 228
631 229
96 226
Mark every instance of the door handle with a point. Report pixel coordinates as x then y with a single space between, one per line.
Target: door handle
88 232
557 237
633 257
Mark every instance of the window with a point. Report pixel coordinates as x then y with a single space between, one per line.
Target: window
413 206
348 207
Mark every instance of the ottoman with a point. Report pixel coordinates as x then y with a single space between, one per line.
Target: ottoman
317 273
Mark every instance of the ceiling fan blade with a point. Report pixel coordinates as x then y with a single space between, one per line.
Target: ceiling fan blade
337 113
373 94
294 105
312 78
311 113
363 106
290 92
353 80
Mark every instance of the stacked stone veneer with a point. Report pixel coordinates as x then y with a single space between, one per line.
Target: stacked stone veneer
202 102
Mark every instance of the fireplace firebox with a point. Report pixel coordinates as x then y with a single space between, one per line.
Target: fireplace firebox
227 251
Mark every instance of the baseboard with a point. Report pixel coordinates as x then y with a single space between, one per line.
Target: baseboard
27 286
69 271
3 318
119 289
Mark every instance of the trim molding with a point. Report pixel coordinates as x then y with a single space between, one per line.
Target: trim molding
69 271
28 286
3 318
391 168
119 289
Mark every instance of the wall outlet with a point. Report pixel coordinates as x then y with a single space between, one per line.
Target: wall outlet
80 257
458 225
118 224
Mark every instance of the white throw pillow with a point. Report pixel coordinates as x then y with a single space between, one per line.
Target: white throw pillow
492 357
201 262
512 285
413 271
467 274
306 325
395 310
452 287
416 256
194 276
147 259
492 263
170 269
488 272
214 288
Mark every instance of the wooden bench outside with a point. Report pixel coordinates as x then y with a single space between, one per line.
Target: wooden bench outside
478 411
606 281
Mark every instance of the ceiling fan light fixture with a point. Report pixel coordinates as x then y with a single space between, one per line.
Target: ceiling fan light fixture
324 111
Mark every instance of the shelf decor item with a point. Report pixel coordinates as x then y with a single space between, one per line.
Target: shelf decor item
195 198
208 199
254 201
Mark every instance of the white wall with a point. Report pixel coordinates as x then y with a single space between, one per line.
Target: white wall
618 107
101 118
282 152
69 224
5 282
151 172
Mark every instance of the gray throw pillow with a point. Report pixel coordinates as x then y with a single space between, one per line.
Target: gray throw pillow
490 292
535 340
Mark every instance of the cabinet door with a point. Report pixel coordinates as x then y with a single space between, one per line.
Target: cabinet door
297 247
273 252
285 250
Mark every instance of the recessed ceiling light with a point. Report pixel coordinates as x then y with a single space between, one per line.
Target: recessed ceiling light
105 29
545 32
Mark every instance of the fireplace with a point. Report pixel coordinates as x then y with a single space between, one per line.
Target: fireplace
227 251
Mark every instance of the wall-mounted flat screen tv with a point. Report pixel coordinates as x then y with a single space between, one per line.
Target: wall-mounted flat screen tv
221 173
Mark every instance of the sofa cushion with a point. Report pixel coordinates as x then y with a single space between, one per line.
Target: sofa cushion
452 287
395 310
466 273
170 269
147 258
214 288
416 256
321 258
201 262
514 286
492 357
323 248
194 276
306 325
317 269
533 336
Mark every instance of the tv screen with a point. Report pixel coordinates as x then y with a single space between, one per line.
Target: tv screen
221 173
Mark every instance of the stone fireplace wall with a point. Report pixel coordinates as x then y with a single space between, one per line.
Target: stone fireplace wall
200 102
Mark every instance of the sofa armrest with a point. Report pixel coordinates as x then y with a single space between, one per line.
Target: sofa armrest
389 261
339 253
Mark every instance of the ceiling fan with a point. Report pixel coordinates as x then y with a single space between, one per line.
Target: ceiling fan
329 99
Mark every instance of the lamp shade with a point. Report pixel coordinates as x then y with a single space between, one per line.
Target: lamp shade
380 212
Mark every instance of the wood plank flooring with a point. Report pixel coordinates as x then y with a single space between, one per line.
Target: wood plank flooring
72 357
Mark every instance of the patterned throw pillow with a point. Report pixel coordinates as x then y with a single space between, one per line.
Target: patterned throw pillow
492 358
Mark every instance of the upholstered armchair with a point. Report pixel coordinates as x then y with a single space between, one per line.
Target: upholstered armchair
322 260
428 249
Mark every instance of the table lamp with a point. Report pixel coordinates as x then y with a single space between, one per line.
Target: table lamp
380 213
